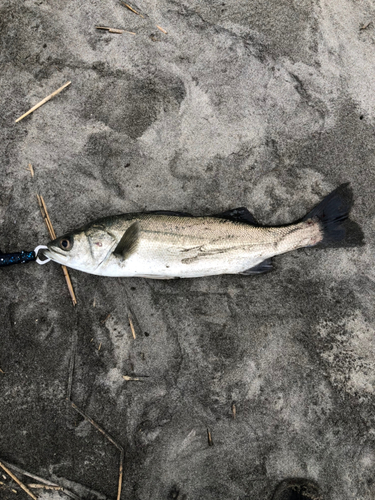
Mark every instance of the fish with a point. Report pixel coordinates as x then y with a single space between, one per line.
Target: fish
168 245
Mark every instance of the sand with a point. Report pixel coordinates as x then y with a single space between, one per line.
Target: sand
268 105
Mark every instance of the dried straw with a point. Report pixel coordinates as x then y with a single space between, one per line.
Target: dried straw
162 29
111 440
25 489
209 438
30 168
52 234
131 8
34 486
132 326
42 102
128 378
114 30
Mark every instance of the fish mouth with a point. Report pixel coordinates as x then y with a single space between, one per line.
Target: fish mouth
54 254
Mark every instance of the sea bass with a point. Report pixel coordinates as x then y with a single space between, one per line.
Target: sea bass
167 245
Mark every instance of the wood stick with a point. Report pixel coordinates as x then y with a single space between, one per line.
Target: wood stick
34 486
209 438
25 489
366 25
28 474
72 363
50 230
70 286
114 30
30 168
47 220
100 429
128 378
111 440
162 29
105 319
131 8
125 31
41 480
110 30
50 227
120 474
43 102
132 326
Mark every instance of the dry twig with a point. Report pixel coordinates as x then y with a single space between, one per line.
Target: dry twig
52 234
41 480
138 14
105 319
132 326
92 422
365 26
25 489
114 30
43 102
31 170
111 440
209 438
110 30
120 473
28 474
131 8
72 363
128 378
234 410
34 486
162 29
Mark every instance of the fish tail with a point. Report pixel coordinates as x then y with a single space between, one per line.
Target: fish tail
331 213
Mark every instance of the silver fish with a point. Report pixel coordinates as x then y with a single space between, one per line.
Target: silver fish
166 245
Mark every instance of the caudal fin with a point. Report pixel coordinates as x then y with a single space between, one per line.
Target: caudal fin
332 213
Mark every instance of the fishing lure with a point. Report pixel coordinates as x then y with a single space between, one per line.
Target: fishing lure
23 257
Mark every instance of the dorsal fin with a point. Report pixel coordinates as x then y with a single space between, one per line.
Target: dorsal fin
170 212
238 215
128 241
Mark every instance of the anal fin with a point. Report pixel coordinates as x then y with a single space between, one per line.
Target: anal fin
263 267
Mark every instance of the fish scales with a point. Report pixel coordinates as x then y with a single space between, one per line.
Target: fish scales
188 247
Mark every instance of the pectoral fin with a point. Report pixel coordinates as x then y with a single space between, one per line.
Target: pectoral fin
128 242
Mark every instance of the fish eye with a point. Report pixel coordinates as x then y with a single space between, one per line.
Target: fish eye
65 244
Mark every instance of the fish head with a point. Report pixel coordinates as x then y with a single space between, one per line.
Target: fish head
83 249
